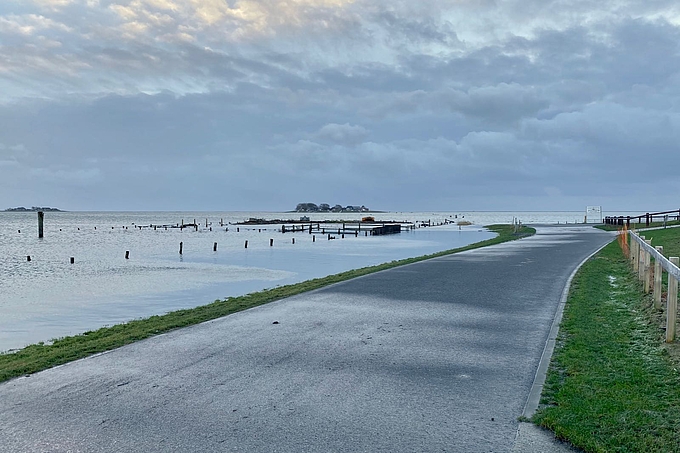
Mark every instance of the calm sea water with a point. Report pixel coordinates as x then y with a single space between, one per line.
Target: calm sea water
48 297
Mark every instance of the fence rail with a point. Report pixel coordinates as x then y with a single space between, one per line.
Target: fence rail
640 252
648 218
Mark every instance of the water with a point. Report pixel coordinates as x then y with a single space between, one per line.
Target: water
48 297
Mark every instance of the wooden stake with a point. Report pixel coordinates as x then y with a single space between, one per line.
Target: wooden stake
647 274
28 258
181 244
658 270
672 303
246 244
640 259
41 220
215 247
127 254
73 260
271 242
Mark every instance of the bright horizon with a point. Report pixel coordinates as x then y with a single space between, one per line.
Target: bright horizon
258 105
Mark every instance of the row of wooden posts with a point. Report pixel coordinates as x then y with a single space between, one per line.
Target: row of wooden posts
376 228
181 247
640 253
271 244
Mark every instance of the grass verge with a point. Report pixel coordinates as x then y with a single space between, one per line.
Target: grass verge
38 357
611 386
637 225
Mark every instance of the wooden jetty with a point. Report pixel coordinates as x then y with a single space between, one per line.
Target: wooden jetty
354 228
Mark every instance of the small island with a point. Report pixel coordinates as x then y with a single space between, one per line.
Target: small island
33 209
325 207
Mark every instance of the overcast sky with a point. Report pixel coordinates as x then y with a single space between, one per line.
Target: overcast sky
395 104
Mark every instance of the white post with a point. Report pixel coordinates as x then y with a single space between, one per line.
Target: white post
658 271
671 303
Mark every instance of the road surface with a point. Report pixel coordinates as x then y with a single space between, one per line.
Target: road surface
435 356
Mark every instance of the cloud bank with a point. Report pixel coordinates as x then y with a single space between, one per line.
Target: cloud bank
248 105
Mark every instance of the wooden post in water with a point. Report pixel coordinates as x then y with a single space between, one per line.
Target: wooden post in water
28 257
672 303
271 242
127 254
246 244
215 247
314 238
73 260
41 219
181 244
293 240
658 271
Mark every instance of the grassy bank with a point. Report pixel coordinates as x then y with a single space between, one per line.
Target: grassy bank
612 386
39 357
637 225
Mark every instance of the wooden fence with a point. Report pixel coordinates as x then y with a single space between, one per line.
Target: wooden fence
646 217
640 253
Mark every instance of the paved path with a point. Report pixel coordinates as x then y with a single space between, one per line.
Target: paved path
434 356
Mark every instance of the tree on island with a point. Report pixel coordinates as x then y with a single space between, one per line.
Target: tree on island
307 207
325 207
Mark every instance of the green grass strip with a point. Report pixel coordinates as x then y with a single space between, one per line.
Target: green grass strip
38 357
669 238
637 225
611 386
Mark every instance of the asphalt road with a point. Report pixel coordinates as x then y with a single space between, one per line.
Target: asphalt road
435 356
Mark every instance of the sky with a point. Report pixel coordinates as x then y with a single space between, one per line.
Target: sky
398 105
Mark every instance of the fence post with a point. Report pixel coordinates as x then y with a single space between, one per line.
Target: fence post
641 260
633 251
647 274
658 270
671 303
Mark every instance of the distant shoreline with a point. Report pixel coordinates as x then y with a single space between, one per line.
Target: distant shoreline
32 209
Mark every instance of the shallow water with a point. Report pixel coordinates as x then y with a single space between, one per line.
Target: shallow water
48 297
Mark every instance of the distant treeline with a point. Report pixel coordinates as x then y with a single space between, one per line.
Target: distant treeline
325 207
33 209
